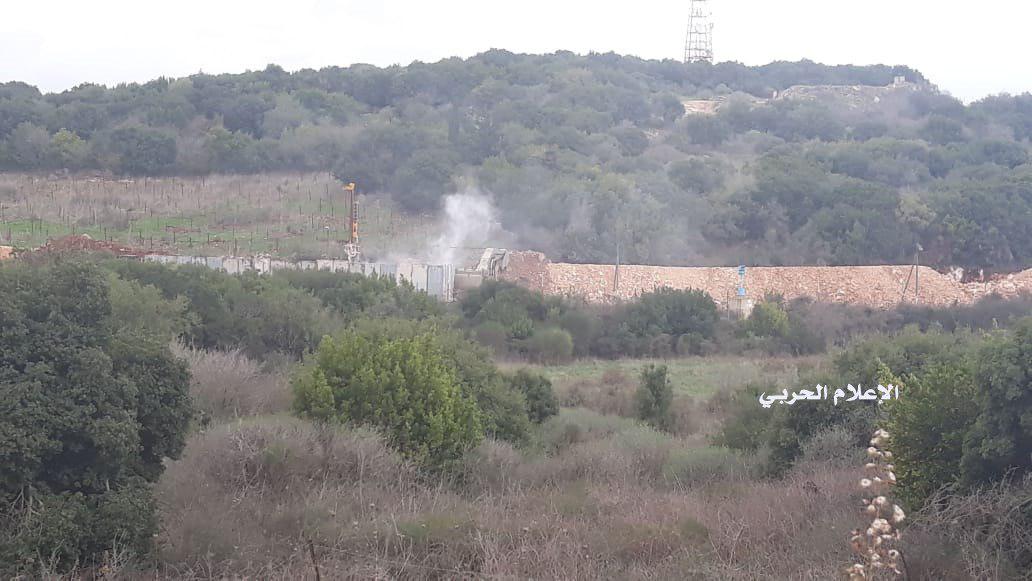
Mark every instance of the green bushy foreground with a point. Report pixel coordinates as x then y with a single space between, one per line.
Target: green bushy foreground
89 408
401 385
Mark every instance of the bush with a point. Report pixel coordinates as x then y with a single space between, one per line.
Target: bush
537 390
353 295
261 315
227 385
928 423
494 336
767 319
550 346
403 386
747 423
503 410
1000 441
649 325
655 396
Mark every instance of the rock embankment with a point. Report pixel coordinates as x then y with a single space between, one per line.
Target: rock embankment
874 286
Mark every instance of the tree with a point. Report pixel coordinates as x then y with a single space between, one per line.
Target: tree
672 312
696 175
655 396
1001 439
87 416
142 150
68 150
633 141
245 113
706 130
29 145
550 345
942 130
233 151
402 386
287 114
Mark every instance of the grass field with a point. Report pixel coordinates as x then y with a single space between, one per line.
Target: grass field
697 377
281 214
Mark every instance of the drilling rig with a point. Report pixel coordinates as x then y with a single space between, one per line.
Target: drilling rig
352 250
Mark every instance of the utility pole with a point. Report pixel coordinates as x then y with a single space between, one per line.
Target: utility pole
616 275
917 269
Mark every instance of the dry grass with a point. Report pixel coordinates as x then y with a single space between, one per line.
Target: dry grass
697 377
227 384
594 496
986 534
700 387
615 500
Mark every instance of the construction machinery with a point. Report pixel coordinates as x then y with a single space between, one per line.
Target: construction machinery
352 249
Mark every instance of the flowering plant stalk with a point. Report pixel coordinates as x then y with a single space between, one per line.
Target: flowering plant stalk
875 548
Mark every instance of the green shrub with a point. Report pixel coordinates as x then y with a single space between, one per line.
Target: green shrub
747 422
767 319
259 314
493 335
403 386
353 295
654 397
537 390
655 324
928 424
690 344
503 410
1001 438
550 346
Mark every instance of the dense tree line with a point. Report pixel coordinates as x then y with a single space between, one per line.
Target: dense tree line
584 153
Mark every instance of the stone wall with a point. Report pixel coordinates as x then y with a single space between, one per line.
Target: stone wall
874 286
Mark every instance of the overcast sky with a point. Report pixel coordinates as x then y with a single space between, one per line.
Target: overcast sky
969 49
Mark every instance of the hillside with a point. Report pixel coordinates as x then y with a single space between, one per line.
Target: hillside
581 155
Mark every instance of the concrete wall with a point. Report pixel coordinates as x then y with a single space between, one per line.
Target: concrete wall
435 279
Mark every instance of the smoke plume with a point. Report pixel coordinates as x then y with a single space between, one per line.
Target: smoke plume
469 221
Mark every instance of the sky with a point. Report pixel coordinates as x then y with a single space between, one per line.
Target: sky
969 49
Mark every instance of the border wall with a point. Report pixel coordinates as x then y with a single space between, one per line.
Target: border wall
873 286
437 280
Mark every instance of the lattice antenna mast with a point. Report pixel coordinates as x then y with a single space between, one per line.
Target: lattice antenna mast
698 43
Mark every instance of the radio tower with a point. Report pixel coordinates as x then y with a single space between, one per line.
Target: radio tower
698 44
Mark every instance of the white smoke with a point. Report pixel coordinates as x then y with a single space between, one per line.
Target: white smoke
470 221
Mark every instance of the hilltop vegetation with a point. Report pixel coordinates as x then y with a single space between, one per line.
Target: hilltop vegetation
581 153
